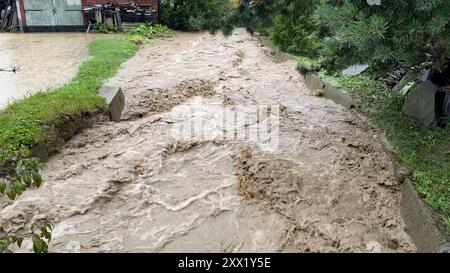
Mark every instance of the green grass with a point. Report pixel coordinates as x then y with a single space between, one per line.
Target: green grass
306 64
77 96
426 152
80 95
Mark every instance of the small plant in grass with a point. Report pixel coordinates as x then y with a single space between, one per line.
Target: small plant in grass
104 28
147 32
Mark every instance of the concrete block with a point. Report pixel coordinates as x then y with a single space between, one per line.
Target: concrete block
420 104
313 82
338 96
420 223
115 99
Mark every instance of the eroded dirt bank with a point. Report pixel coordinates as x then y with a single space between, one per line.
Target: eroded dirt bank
136 186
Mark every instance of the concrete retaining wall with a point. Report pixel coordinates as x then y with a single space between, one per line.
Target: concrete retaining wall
313 82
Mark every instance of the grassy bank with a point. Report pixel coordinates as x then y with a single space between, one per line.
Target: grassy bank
426 152
34 119
44 116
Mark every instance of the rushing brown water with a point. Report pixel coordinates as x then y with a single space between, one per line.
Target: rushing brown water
137 186
46 60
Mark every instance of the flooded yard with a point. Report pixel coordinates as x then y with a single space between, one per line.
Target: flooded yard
141 186
46 60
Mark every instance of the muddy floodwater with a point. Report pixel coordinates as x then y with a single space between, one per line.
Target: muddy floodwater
46 60
320 182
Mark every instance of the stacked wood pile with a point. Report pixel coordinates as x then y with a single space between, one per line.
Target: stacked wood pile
116 14
103 14
136 13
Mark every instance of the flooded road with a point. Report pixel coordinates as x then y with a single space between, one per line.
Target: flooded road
320 182
46 60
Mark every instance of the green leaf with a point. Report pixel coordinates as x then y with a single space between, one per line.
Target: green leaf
19 241
37 180
38 244
11 193
2 186
3 245
45 233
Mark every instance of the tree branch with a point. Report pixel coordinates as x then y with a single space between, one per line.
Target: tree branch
13 69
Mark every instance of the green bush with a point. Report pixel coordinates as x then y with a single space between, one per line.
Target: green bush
288 23
293 29
147 32
196 15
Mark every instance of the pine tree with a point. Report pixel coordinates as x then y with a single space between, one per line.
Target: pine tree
293 29
407 33
289 23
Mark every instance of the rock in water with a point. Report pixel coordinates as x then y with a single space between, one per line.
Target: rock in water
420 104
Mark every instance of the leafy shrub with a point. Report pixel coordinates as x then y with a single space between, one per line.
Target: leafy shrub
196 15
104 28
147 32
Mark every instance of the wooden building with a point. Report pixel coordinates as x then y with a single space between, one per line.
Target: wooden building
65 15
